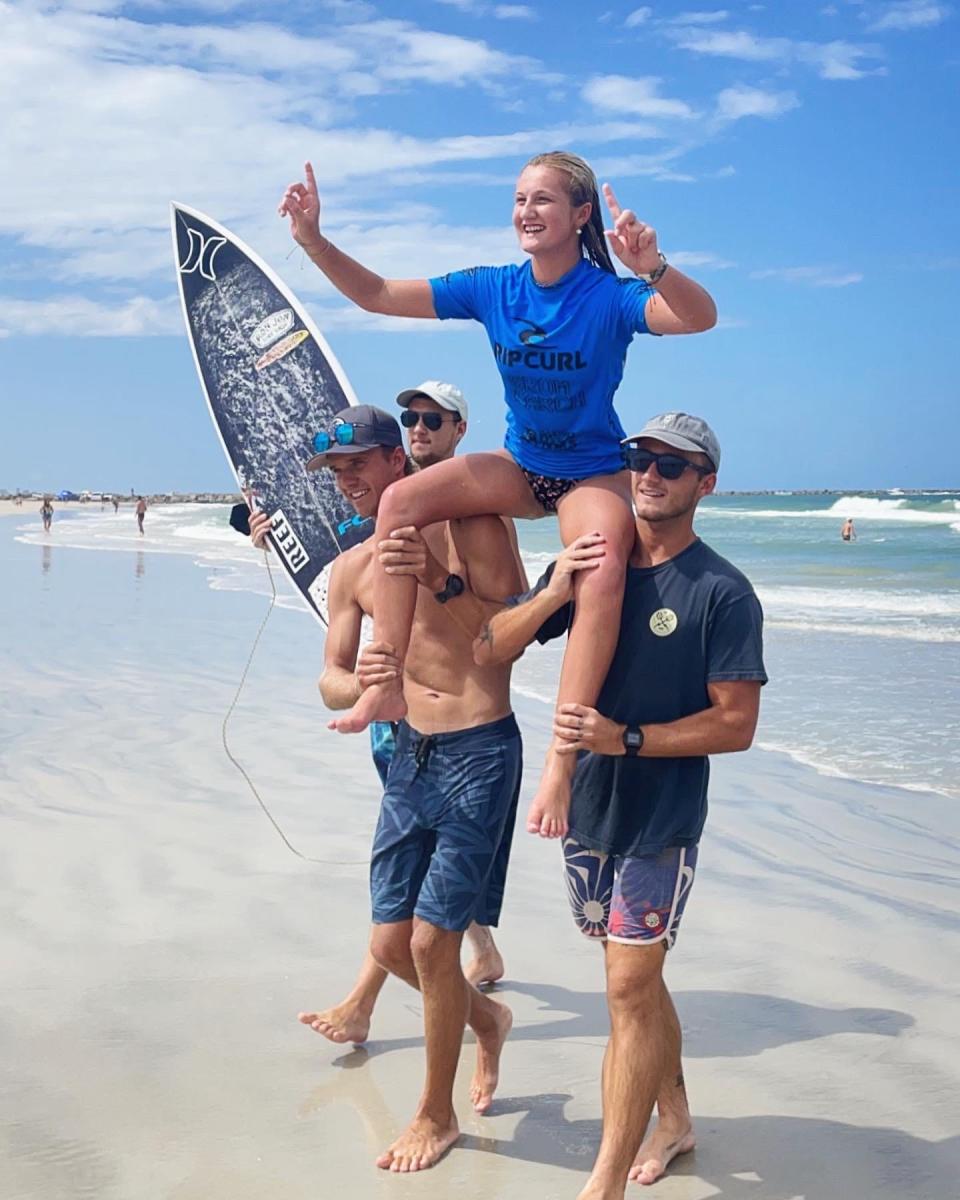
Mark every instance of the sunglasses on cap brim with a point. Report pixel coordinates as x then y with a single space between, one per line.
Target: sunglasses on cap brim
343 435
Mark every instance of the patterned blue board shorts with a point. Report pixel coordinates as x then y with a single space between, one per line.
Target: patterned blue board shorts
442 844
383 743
632 900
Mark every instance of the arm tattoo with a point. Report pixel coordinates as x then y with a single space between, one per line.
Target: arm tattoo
486 635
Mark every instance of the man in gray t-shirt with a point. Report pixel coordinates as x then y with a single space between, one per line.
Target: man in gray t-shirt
684 683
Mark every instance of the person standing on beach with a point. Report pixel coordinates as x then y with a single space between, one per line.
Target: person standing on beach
440 850
559 326
684 684
435 420
46 513
116 504
141 511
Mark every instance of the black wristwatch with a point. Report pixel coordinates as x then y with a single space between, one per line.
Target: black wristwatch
453 587
632 741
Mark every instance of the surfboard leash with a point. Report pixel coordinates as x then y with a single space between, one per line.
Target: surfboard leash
323 862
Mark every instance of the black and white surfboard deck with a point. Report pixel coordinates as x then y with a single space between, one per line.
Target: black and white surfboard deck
271 382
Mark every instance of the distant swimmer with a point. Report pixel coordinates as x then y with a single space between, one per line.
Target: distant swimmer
46 514
847 532
141 512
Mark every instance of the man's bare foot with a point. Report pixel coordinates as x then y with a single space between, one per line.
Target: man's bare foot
343 1023
421 1144
487 1073
378 703
658 1151
485 967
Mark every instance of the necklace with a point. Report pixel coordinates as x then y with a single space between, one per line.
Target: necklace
556 283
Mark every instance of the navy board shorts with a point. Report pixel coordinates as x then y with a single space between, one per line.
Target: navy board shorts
442 844
638 901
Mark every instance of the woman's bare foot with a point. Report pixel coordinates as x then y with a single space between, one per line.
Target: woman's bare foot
485 967
550 809
489 1047
343 1023
381 702
551 805
421 1144
658 1151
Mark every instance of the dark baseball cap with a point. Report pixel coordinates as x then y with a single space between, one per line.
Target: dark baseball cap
683 432
370 427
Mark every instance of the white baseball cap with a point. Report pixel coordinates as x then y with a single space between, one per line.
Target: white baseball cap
447 395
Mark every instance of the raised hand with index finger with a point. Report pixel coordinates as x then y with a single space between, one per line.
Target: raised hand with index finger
301 203
633 242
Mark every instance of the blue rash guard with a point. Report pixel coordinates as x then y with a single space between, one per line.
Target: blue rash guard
560 350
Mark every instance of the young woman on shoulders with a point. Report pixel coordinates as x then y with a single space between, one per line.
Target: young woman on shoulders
559 326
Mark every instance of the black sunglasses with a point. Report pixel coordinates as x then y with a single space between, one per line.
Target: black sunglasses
409 417
669 466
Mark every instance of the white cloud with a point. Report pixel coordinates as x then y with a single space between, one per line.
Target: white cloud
734 44
642 166
639 16
515 12
704 260
700 18
404 52
832 60
909 14
830 277
839 60
733 103
78 316
618 93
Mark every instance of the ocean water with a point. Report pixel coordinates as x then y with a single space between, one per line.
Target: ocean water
862 638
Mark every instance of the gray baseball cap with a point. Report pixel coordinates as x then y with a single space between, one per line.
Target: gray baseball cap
371 427
683 432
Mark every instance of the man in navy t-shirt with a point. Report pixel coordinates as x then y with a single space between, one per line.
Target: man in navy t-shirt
685 683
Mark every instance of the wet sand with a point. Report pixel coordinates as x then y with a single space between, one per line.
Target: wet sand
158 941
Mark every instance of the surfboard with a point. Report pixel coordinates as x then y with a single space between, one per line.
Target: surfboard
270 382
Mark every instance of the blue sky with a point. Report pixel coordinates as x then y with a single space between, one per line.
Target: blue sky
799 159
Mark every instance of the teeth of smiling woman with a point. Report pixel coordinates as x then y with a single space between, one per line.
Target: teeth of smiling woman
534 228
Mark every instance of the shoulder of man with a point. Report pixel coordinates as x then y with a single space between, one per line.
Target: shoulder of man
729 581
346 570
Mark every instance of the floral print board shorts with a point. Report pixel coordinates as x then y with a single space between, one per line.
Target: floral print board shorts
633 900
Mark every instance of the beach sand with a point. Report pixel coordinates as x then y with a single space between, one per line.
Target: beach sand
158 940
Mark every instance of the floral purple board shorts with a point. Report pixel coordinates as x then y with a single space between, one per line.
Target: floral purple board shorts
634 900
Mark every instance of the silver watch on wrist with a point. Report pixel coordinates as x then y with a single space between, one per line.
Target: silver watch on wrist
657 273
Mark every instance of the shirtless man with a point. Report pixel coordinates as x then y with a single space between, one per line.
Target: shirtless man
435 419
437 862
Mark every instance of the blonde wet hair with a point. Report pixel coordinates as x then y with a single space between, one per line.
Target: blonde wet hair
581 189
